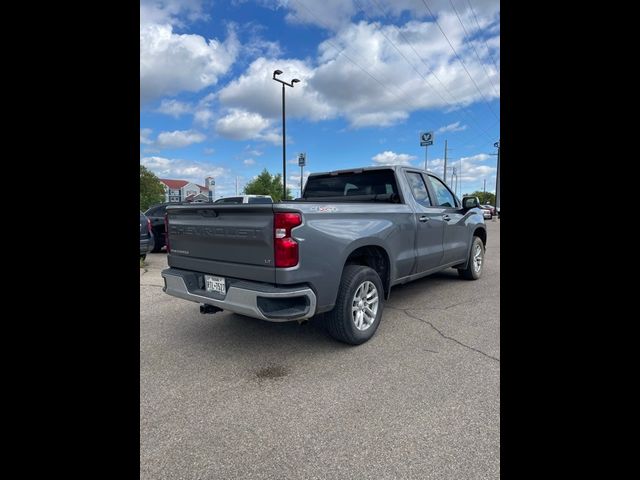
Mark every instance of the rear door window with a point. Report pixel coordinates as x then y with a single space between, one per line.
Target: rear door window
418 188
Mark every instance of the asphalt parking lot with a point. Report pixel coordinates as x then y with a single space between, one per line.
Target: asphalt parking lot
224 396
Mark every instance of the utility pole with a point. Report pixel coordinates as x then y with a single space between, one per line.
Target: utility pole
460 176
454 185
445 162
484 190
236 185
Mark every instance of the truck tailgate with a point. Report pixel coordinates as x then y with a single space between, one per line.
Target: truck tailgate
226 240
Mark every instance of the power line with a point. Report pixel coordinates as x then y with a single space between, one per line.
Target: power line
458 57
474 49
426 64
341 52
483 40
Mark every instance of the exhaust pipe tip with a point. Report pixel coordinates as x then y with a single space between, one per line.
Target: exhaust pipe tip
205 308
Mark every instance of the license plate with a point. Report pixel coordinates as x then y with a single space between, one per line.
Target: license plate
215 284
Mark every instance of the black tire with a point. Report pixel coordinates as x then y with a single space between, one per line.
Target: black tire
473 270
340 321
157 241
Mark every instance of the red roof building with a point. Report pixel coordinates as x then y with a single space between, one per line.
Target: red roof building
183 190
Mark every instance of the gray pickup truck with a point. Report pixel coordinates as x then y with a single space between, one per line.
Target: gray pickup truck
338 250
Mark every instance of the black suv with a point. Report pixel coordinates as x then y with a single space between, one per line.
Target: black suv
146 236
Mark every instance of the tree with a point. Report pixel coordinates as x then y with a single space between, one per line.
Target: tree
151 189
486 198
267 184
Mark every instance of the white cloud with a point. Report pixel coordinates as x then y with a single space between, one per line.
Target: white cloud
144 136
397 89
470 170
209 151
249 161
203 118
183 169
336 14
391 158
171 63
242 125
274 138
331 14
174 108
452 127
179 138
172 12
480 157
253 151
203 115
256 91
259 47
332 86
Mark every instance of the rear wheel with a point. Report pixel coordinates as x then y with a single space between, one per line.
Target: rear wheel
476 261
358 310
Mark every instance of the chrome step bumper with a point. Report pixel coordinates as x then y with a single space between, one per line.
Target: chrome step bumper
245 298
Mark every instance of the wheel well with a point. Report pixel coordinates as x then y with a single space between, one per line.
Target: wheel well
481 233
376 258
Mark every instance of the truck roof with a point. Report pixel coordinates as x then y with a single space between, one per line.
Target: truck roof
374 167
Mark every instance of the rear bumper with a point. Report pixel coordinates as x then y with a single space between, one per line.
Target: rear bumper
257 300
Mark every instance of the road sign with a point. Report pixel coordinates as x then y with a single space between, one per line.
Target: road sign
302 160
426 138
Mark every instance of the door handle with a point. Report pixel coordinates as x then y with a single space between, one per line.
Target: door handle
424 218
446 218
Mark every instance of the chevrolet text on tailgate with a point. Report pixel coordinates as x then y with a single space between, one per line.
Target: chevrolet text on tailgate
338 250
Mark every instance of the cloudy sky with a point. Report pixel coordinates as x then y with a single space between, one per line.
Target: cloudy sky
373 75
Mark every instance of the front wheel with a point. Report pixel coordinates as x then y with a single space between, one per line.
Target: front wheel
476 261
358 310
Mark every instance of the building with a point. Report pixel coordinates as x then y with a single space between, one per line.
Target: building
183 191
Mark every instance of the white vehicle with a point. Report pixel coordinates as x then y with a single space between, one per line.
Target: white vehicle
245 199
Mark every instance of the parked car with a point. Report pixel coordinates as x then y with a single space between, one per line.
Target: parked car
146 236
338 250
488 210
490 207
156 215
245 199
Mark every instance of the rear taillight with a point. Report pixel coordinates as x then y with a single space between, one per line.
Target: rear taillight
149 226
166 232
285 248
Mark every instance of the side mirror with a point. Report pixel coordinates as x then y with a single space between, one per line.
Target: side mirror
470 202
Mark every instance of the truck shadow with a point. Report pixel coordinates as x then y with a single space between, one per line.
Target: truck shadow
234 334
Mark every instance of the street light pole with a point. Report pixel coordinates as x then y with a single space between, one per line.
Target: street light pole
284 148
497 145
284 139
